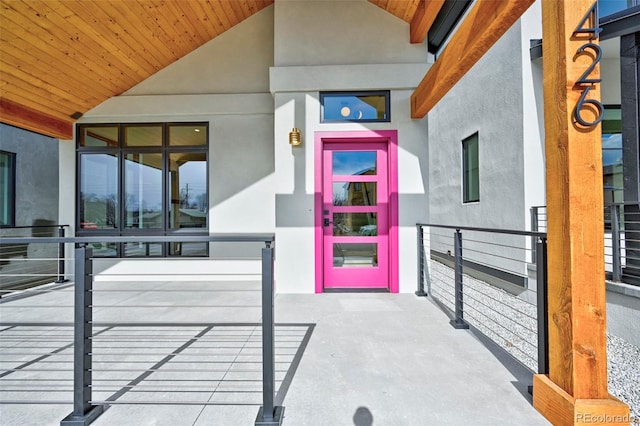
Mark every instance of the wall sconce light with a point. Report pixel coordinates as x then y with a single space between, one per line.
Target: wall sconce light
294 137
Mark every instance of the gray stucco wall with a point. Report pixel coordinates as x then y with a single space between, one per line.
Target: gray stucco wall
36 174
487 100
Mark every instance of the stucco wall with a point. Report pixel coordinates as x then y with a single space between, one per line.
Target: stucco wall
489 99
338 32
319 48
36 174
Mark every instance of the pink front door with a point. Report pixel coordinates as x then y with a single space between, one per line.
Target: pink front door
355 215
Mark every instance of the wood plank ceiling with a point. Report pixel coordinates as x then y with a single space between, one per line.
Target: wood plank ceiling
61 58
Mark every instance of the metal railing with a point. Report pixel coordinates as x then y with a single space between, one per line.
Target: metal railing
108 338
24 265
621 239
488 279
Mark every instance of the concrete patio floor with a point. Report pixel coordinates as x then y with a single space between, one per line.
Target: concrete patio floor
370 359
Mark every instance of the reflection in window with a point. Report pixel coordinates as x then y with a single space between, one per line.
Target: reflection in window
7 188
143 190
143 135
354 193
142 249
143 179
355 255
612 155
188 190
354 163
98 191
355 224
470 169
187 135
357 106
608 7
99 136
188 249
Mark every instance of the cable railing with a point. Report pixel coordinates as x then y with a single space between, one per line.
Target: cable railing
25 265
621 239
107 338
492 280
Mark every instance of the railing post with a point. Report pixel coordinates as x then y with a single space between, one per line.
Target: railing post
543 307
61 278
616 274
458 321
420 236
534 228
83 412
268 415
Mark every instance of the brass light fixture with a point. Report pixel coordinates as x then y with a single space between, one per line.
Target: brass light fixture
294 137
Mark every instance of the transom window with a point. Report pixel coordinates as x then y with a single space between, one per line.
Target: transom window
143 179
355 106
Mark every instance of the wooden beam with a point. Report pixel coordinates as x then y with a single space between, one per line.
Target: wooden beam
26 118
486 22
576 386
561 409
423 18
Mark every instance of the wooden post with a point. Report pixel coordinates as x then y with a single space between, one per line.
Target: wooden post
575 390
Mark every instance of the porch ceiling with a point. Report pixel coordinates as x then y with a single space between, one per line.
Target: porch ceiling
61 58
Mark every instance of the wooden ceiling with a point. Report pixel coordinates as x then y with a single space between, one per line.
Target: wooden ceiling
61 58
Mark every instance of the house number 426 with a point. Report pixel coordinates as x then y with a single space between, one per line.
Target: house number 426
588 27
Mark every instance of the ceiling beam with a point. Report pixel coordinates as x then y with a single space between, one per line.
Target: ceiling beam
423 18
26 118
486 22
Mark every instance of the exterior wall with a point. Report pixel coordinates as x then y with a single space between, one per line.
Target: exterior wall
488 100
36 174
623 311
36 198
496 98
318 48
534 179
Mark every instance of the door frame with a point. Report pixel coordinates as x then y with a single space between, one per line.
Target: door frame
390 137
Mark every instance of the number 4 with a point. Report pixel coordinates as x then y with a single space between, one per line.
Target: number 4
590 18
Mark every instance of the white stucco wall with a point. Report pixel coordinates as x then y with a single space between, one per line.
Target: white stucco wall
319 48
534 178
340 32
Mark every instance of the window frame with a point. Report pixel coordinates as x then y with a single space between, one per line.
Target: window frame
10 189
466 170
121 151
333 94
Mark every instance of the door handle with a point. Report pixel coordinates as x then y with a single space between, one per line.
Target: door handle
327 222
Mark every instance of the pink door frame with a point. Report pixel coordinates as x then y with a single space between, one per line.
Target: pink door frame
391 138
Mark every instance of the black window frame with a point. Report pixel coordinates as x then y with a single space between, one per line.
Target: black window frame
466 196
331 94
121 151
11 189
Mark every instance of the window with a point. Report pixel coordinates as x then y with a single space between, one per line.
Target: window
609 7
143 179
470 170
612 155
355 106
7 188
